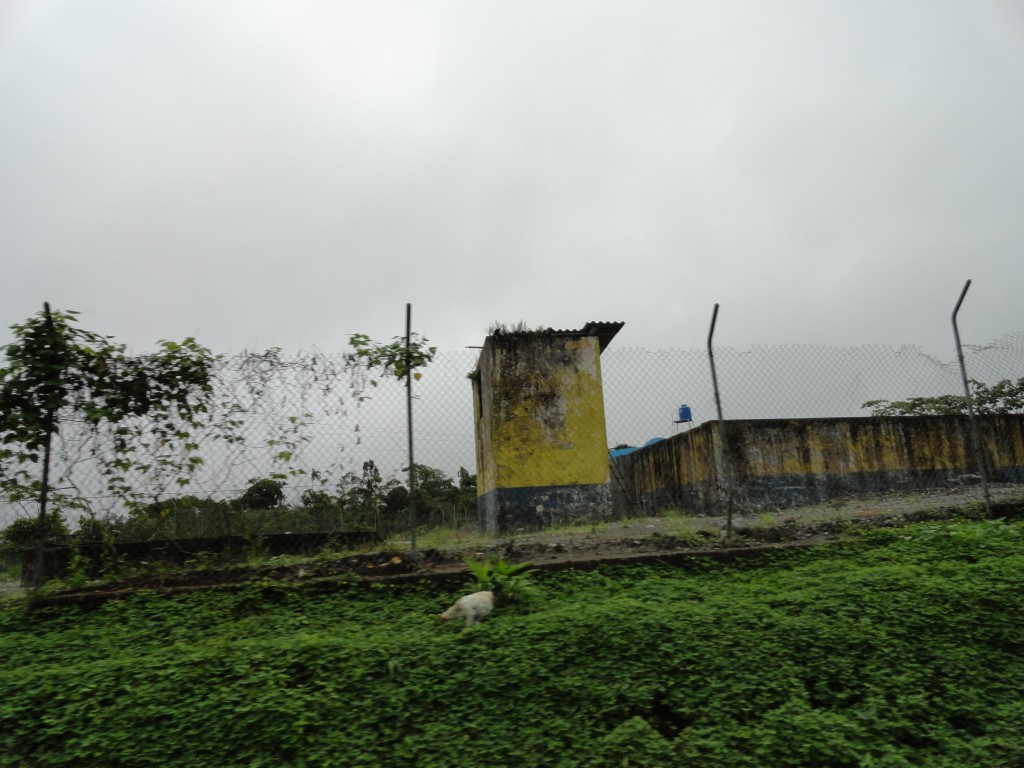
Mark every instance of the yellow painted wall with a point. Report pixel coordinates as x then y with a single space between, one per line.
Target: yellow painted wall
539 411
841 446
855 455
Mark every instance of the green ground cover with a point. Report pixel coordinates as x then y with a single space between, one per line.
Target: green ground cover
902 647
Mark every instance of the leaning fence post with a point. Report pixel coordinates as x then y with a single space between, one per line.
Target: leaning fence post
979 453
721 454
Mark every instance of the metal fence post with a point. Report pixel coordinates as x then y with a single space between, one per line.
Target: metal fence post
721 453
979 453
408 403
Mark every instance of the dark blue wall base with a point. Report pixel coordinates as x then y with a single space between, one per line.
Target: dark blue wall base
784 491
507 510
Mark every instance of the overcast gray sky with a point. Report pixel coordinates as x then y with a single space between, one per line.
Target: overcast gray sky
286 173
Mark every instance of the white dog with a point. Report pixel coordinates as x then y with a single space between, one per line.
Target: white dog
474 607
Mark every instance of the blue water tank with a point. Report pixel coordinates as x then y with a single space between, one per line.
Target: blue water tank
684 413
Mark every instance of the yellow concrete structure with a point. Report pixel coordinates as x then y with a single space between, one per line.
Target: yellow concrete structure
541 447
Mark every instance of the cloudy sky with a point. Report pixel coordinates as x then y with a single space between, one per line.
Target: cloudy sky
286 173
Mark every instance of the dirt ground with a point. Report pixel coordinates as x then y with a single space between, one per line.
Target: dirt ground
818 522
635 540
651 538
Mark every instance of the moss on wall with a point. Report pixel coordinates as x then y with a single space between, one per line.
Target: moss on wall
541 413
778 463
540 427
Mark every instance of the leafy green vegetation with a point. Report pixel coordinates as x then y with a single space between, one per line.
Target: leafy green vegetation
903 647
397 358
1006 396
146 407
513 580
362 502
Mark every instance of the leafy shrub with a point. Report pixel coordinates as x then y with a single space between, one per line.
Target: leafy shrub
513 581
266 493
23 534
900 648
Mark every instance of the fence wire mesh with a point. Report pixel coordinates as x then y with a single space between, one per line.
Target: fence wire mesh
778 461
644 388
321 452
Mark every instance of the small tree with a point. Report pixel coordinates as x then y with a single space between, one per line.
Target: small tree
315 499
1003 397
266 493
362 495
23 533
57 375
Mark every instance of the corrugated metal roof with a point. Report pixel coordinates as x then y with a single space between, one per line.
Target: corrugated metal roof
605 332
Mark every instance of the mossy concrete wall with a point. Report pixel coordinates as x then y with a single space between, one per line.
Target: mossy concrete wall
540 431
784 463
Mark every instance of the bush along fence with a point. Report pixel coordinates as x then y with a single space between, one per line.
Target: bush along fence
260 523
270 444
85 559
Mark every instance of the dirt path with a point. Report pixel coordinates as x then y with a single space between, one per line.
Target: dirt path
627 541
818 522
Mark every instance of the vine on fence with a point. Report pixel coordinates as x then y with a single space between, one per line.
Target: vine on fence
394 359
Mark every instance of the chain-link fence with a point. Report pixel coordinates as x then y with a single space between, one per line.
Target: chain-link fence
286 433
318 450
789 440
643 388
